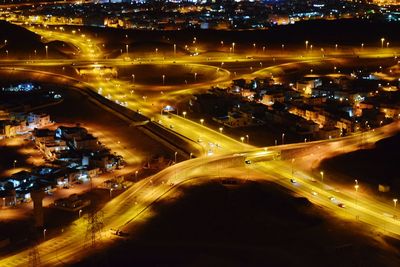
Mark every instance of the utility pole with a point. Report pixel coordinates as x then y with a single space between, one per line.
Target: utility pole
34 257
94 223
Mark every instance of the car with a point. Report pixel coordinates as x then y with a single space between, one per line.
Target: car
314 193
341 205
332 198
293 181
247 161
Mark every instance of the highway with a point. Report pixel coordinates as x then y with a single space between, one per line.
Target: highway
229 155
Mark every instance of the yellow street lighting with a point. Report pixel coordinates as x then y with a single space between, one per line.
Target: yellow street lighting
382 40
221 129
306 45
184 114
395 202
201 121
322 176
242 139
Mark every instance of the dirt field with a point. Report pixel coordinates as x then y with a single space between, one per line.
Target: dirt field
254 224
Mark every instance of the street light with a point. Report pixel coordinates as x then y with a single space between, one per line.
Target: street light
174 49
80 211
190 155
322 176
395 202
163 79
133 78
233 47
242 139
14 162
283 138
136 173
44 234
184 114
201 121
111 192
221 129
247 138
47 51
175 154
306 45
292 168
127 48
382 40
195 76
387 45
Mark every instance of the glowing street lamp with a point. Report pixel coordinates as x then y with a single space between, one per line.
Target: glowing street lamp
5 42
322 176
395 202
292 168
44 234
387 45
14 162
175 154
362 45
174 49
127 48
201 121
382 40
233 47
247 138
283 138
221 129
306 45
184 114
136 174
163 79
242 139
47 51
195 76
133 78
80 211
336 46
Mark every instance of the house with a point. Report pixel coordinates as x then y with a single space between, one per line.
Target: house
42 136
38 120
269 98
